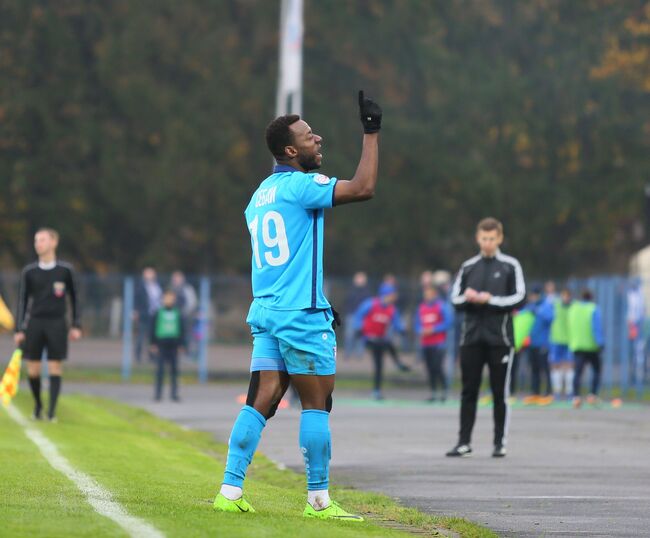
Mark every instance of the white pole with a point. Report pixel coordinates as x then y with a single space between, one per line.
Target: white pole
289 97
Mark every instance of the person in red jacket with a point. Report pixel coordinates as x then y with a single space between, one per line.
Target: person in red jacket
432 321
374 319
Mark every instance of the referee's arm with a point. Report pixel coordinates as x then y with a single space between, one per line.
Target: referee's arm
73 290
23 298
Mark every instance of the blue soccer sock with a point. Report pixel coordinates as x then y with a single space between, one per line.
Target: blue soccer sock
244 438
316 447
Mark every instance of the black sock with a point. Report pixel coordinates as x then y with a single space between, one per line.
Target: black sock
35 385
55 388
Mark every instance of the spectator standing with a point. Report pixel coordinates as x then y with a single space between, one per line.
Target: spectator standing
560 355
488 288
148 296
357 294
539 346
432 321
426 279
186 302
550 291
391 280
586 341
166 338
635 328
41 323
522 323
375 318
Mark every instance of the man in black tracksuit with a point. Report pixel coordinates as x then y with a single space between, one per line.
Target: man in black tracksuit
487 289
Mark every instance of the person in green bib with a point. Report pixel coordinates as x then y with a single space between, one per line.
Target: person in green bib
522 324
167 337
560 355
586 341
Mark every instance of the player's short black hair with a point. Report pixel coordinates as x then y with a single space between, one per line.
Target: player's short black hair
278 134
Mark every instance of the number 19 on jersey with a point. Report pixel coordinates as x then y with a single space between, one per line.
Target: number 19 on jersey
274 239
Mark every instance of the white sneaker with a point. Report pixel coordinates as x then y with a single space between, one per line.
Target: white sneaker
460 451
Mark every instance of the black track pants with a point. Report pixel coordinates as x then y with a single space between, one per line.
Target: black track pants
514 371
434 358
540 370
472 360
582 358
377 349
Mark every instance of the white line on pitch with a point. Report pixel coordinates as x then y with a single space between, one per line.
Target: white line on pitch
551 497
97 496
578 497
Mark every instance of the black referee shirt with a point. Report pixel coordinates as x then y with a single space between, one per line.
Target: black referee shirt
42 294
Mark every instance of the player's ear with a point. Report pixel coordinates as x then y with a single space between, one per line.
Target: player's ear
290 151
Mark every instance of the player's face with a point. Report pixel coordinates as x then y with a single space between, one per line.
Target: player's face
489 242
430 294
169 299
44 243
307 145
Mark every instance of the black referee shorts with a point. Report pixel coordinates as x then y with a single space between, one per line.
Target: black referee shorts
50 334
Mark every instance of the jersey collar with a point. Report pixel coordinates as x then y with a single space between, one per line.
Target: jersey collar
280 168
46 266
496 255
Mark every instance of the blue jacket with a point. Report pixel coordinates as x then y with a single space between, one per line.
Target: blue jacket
540 334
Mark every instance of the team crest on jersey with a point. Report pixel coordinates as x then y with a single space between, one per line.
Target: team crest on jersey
322 179
59 289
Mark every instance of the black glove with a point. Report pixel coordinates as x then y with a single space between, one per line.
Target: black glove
336 322
370 114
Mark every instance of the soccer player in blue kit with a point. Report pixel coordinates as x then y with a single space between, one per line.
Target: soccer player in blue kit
291 321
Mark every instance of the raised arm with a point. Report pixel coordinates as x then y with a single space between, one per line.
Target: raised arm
362 185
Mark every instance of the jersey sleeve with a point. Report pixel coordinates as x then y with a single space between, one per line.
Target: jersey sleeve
73 290
23 298
361 313
458 290
314 191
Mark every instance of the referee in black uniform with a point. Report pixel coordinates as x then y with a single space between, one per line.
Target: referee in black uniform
41 318
487 289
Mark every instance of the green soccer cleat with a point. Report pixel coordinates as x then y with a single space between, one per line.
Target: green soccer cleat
226 505
333 511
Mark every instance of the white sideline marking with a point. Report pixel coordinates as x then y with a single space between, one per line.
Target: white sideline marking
552 497
98 497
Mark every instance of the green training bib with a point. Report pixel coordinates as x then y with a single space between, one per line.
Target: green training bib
168 324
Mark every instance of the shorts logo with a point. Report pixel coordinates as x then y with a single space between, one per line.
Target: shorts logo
324 336
321 179
59 289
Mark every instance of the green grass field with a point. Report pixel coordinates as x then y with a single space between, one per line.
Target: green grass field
167 476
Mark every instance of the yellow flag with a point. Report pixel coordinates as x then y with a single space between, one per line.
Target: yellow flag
6 319
11 378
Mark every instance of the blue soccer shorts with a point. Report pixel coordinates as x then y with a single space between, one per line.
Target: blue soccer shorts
560 353
293 341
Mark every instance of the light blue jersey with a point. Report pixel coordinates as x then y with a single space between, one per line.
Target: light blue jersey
285 220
